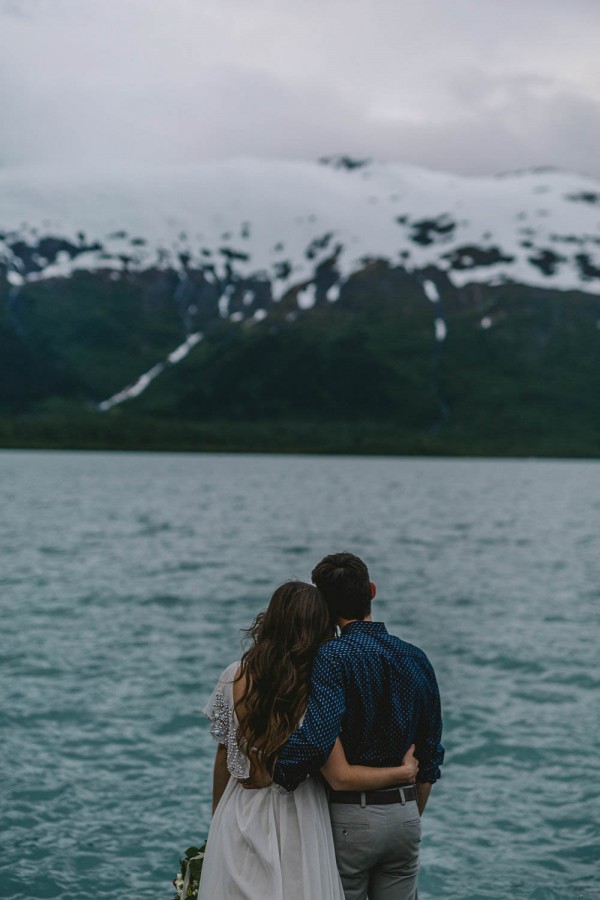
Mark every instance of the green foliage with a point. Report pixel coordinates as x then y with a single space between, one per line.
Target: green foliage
191 871
532 379
85 337
327 365
364 375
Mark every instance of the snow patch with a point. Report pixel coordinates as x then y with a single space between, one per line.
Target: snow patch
486 322
135 389
306 297
431 291
15 279
224 305
440 330
182 351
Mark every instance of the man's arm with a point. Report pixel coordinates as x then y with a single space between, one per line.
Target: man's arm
430 752
309 746
220 775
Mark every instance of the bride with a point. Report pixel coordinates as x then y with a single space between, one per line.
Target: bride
265 844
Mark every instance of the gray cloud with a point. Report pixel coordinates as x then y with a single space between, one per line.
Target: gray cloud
472 86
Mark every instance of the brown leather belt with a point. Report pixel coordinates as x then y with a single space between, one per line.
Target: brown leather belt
375 798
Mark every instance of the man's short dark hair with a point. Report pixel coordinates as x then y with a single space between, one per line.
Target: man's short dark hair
343 580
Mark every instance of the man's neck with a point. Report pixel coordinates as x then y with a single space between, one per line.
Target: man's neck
343 622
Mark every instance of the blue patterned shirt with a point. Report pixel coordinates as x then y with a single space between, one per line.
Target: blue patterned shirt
379 694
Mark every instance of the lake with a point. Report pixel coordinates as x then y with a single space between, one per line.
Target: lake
126 578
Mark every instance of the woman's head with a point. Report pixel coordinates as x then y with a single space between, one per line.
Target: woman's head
296 619
277 666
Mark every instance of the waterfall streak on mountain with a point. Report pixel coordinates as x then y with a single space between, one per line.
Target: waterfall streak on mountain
144 380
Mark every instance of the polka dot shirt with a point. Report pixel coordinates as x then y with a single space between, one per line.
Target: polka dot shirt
379 694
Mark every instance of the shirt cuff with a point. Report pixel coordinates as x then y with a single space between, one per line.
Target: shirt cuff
288 781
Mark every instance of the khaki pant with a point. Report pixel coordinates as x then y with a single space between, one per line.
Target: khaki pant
377 849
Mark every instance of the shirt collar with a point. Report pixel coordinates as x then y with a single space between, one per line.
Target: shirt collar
360 625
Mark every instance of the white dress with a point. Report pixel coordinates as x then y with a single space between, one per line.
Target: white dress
264 844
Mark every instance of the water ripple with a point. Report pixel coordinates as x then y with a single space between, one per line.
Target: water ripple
126 579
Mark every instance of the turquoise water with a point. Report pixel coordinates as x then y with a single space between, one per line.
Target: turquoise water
125 579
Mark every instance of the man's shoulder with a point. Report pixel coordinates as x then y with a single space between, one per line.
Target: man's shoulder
406 648
342 648
334 649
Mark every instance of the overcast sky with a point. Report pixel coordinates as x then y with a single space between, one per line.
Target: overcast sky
472 86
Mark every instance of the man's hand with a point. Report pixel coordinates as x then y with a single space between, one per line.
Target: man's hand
412 763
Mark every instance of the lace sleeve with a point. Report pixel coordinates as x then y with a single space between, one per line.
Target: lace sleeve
220 716
220 711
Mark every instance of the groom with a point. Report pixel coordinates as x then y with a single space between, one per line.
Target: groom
379 695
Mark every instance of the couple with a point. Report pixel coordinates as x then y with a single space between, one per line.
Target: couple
317 794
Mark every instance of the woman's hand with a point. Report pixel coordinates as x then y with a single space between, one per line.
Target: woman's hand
411 763
258 778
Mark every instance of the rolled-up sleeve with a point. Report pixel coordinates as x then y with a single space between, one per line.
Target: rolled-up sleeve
429 750
310 745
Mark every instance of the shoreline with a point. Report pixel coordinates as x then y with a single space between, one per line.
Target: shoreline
119 433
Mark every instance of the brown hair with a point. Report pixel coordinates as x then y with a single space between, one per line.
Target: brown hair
277 668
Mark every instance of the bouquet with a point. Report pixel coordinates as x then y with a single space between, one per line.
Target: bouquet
187 881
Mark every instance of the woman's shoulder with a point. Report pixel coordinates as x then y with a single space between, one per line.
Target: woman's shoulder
221 698
225 682
228 675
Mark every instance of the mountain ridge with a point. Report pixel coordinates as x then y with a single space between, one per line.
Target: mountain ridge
282 219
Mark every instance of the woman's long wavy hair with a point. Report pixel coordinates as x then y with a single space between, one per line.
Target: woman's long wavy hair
277 668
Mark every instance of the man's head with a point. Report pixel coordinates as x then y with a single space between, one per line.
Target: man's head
343 580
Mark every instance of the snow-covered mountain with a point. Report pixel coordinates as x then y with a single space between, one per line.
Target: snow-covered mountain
464 308
277 222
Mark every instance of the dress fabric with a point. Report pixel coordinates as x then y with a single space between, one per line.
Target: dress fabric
265 844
